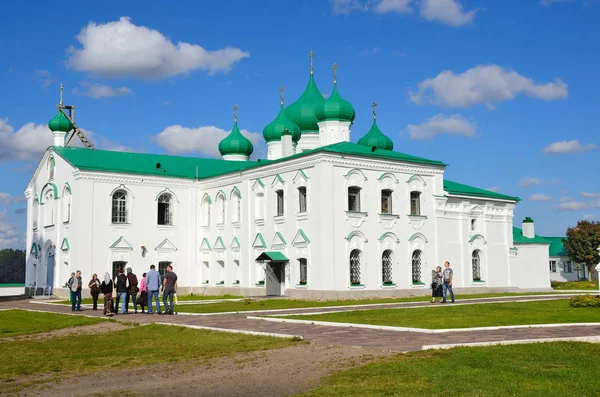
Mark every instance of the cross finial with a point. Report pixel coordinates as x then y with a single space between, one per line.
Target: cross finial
235 108
334 67
374 106
61 90
281 90
311 56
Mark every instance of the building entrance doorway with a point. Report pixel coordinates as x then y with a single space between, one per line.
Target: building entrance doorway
275 263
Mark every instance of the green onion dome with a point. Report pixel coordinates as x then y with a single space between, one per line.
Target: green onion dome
60 123
275 129
376 138
236 143
335 108
302 112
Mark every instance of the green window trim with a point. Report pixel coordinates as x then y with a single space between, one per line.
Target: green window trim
417 283
235 189
301 283
261 282
356 285
479 281
221 283
236 282
390 284
207 196
205 282
220 192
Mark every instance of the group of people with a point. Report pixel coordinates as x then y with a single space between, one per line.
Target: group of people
441 283
125 288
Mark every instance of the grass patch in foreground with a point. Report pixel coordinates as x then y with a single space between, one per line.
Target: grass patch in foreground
276 304
575 285
151 344
88 301
466 316
543 369
21 322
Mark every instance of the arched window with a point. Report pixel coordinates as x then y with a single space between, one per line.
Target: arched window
302 199
236 204
280 208
386 201
416 266
415 203
206 211
66 205
119 207
220 208
354 199
386 267
355 267
476 265
303 271
51 166
165 210
49 208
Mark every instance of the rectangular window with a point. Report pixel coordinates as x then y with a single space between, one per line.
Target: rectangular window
303 271
354 199
568 267
386 201
116 266
415 203
279 194
473 225
302 198
552 266
162 267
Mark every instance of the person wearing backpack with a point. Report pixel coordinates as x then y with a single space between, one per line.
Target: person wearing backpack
107 289
132 290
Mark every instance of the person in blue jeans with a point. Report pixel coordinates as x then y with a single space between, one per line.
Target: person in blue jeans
75 286
169 288
153 283
122 285
448 276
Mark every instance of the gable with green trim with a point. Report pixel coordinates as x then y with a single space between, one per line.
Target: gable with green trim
259 241
205 246
65 245
219 246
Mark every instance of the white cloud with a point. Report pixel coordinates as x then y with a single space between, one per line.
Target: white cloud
397 6
27 143
8 233
540 197
572 206
98 91
589 216
122 49
595 203
45 78
449 12
442 125
572 147
548 2
205 140
7 199
590 195
564 199
483 84
493 189
529 181
345 7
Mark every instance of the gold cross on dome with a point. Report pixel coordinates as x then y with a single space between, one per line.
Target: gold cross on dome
311 56
334 67
281 90
235 108
374 106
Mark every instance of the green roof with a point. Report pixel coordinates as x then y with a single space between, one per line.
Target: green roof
188 167
557 248
60 122
518 238
466 190
272 256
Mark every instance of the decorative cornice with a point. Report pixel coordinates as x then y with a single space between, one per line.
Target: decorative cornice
139 180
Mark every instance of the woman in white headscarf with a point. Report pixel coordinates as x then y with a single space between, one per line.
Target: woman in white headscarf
107 289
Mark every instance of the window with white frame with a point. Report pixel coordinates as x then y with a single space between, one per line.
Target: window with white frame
303 271
51 167
476 265
206 211
220 208
119 207
473 225
49 205
568 267
165 209
66 206
236 207
354 199
162 267
552 266
415 203
279 194
355 267
386 201
302 199
416 266
386 267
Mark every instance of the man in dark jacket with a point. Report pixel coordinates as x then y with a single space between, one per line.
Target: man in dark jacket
122 285
132 291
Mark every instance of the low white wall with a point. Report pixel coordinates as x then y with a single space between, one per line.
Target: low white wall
12 291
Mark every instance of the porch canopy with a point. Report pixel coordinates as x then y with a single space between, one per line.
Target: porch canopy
272 256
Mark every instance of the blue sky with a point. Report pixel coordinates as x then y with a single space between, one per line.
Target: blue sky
504 91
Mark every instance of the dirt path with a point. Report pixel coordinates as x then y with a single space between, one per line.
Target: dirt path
282 372
103 327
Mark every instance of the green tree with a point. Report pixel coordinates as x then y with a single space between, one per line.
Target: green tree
582 244
12 266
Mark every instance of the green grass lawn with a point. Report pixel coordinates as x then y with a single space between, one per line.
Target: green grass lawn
21 322
88 301
143 345
274 304
586 285
544 369
466 316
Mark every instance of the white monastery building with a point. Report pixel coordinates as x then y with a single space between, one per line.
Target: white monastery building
321 217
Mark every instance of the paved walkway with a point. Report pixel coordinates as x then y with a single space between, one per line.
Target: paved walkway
356 337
